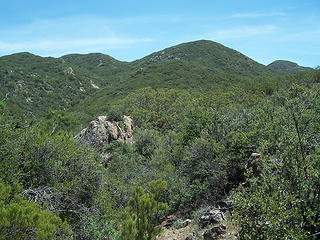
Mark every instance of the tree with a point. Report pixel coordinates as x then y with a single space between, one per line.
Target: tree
141 216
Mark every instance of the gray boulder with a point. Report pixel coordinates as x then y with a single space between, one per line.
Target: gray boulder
214 232
211 217
101 132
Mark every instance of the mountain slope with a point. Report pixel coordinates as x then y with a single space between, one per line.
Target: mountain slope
196 66
102 65
287 66
91 82
200 59
208 54
33 84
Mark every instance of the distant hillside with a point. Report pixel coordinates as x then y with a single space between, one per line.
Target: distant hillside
193 61
287 66
33 84
102 65
208 54
197 66
91 82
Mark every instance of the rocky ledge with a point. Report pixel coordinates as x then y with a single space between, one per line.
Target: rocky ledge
101 132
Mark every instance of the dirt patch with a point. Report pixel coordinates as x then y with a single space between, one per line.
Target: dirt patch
175 234
194 233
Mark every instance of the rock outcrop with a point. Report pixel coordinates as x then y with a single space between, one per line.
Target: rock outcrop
169 221
214 232
101 132
211 217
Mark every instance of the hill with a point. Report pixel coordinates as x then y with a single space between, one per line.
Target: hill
287 66
206 53
89 83
33 84
195 66
104 66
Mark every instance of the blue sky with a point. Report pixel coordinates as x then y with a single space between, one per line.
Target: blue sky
128 30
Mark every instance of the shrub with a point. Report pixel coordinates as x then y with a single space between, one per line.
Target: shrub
115 114
146 141
21 219
97 228
38 160
279 204
141 217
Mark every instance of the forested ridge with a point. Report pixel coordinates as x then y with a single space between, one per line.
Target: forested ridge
209 125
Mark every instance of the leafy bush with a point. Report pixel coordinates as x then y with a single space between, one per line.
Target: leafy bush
115 114
38 160
21 219
97 228
205 170
269 208
281 202
146 141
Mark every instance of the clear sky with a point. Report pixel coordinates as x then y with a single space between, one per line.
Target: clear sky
265 30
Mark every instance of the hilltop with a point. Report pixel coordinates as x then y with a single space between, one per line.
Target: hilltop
287 66
194 66
207 53
104 66
84 83
197 64
33 84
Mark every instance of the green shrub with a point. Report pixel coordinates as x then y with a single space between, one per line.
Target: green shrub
36 159
146 141
279 203
142 216
97 228
21 219
115 114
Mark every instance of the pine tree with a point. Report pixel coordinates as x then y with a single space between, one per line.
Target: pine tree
140 219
